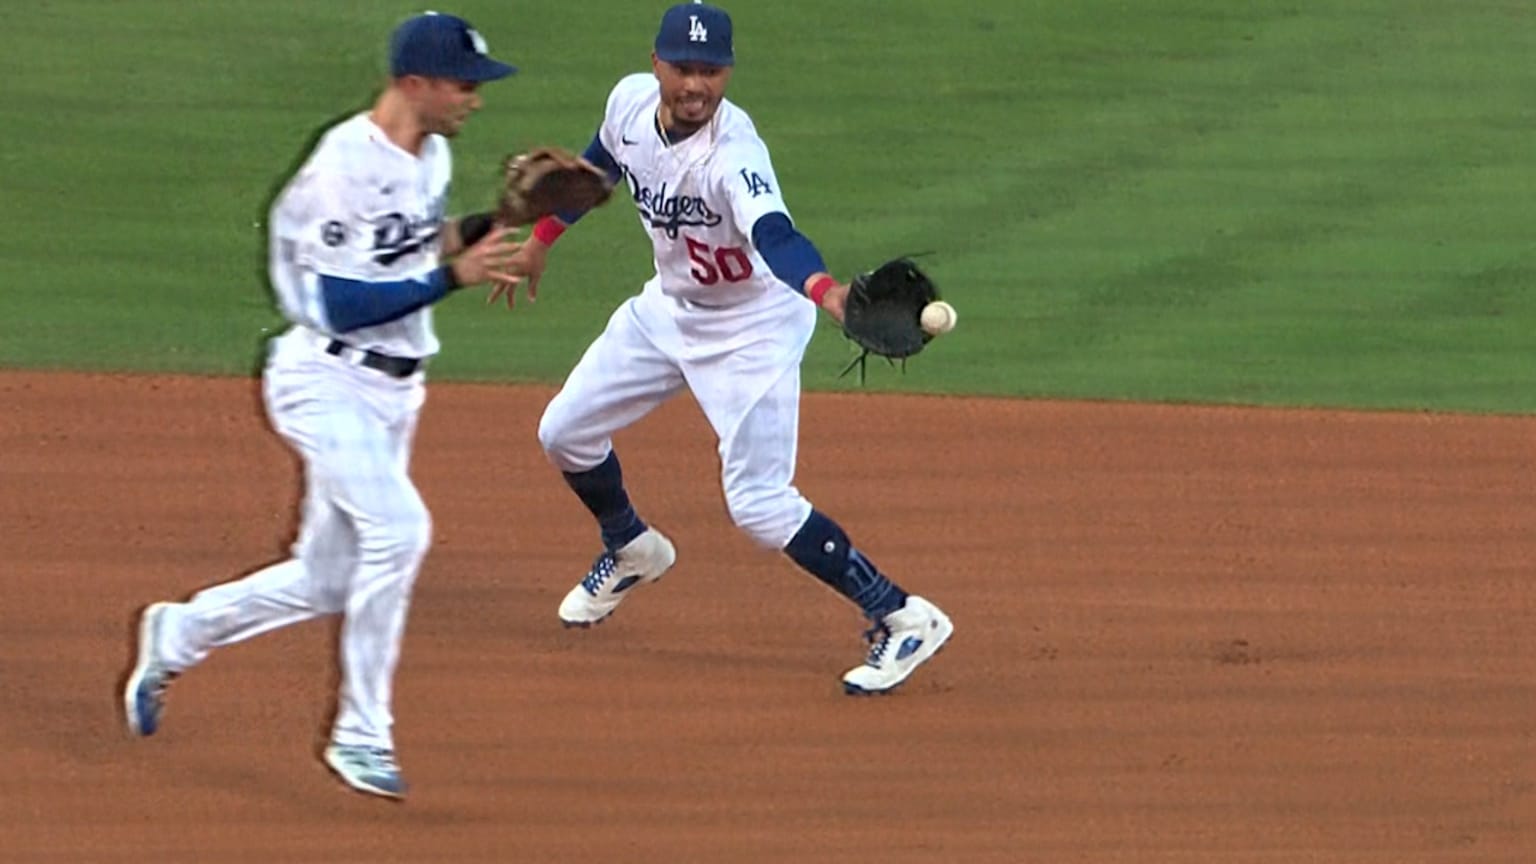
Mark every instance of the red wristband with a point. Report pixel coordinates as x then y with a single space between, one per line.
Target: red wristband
548 230
819 289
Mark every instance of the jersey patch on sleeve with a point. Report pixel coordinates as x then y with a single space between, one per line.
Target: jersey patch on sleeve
333 233
755 183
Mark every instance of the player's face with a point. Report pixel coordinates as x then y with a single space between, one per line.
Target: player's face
445 104
690 92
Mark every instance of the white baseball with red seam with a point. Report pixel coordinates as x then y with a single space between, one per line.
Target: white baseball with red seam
938 317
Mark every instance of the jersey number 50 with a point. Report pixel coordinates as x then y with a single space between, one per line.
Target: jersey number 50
711 265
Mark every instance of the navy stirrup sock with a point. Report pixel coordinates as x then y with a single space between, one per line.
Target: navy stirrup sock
824 551
602 490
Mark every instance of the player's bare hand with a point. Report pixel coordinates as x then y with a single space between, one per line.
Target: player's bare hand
489 260
835 301
526 266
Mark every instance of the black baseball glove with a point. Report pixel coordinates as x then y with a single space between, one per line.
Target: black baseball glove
884 312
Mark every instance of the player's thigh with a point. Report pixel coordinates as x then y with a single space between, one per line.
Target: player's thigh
758 440
622 376
751 395
759 429
355 458
751 398
327 545
370 479
403 438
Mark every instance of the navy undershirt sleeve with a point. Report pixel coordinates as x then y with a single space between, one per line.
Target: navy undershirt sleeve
598 155
353 303
789 254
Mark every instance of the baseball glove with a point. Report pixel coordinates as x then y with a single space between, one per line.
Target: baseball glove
546 180
884 312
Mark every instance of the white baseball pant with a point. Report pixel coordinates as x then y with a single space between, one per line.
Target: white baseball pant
363 534
742 364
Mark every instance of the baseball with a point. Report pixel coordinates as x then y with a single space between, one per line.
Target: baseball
938 317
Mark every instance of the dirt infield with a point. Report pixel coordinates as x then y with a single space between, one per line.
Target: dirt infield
1183 635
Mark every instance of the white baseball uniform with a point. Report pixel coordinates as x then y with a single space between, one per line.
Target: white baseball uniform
362 209
713 319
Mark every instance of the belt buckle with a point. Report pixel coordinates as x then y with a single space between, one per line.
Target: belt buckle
347 353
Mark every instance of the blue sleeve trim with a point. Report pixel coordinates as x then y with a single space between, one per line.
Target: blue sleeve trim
789 254
353 303
598 155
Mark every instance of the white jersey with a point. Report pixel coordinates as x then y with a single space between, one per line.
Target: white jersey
698 199
361 208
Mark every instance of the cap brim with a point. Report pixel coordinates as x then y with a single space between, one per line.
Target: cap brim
702 58
486 69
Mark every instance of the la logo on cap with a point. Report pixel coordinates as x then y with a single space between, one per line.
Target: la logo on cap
696 31
475 39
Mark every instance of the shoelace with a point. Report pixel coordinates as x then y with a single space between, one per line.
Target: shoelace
602 568
879 639
159 683
373 759
381 759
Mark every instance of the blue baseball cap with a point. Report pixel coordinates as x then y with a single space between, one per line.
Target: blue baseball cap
695 33
442 46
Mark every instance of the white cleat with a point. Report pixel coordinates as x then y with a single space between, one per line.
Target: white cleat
144 691
367 769
614 575
905 640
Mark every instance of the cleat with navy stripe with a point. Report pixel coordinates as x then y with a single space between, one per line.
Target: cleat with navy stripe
903 641
614 576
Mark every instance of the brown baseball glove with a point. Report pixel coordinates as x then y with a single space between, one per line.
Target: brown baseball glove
546 180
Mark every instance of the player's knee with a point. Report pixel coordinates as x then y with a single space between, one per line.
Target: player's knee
770 516
551 432
328 598
324 588
564 448
414 535
403 540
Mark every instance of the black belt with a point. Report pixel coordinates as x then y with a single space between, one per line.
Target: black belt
395 367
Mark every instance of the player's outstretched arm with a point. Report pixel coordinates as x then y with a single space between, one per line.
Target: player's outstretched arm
533 257
828 293
351 303
528 263
794 259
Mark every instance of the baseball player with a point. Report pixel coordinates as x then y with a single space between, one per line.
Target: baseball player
726 316
355 242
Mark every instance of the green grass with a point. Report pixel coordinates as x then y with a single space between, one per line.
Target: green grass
1318 203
